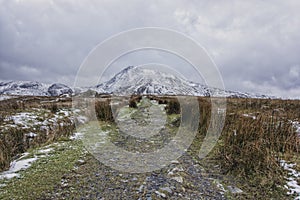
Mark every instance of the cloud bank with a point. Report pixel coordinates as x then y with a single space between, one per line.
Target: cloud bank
255 44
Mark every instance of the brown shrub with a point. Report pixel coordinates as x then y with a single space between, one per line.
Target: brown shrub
103 110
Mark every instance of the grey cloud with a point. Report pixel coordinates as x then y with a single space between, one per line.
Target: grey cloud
255 44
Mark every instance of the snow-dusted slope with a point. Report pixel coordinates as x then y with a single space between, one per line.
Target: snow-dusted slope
58 89
131 80
136 80
24 88
33 88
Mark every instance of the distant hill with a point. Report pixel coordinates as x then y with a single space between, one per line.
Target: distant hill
136 80
131 80
33 88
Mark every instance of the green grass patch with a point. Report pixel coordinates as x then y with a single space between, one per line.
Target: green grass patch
45 173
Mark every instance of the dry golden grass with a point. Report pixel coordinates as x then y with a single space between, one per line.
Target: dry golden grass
13 140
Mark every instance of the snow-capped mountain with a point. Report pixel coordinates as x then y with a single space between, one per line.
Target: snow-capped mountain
58 89
131 80
137 80
33 88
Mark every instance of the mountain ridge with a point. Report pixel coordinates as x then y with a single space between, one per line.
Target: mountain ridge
137 80
130 80
34 88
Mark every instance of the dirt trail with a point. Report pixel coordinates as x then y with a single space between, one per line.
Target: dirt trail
149 129
183 178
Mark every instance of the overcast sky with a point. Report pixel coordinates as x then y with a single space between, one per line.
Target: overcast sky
255 44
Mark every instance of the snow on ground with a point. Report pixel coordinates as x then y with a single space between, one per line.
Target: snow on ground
36 119
82 119
45 151
297 126
16 166
249 115
24 162
41 118
31 134
4 97
76 136
25 119
292 184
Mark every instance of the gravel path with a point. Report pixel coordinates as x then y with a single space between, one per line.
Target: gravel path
183 179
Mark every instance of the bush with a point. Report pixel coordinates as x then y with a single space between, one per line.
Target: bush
173 107
54 108
103 110
11 144
132 103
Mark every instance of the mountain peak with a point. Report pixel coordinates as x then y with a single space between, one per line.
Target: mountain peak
130 80
58 89
141 80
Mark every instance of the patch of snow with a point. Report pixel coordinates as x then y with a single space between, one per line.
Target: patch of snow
76 136
248 115
292 184
39 119
176 169
82 119
64 112
27 119
296 125
81 161
5 97
160 194
76 111
141 188
23 163
234 190
221 110
46 151
220 186
31 135
16 166
8 175
22 118
175 162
